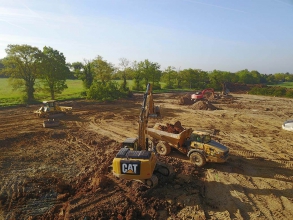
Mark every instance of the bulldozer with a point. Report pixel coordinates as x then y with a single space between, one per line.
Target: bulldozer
136 160
51 109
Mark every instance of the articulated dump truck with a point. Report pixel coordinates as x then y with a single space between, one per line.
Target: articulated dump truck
197 145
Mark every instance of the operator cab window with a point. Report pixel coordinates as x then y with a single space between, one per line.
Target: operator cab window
206 138
195 137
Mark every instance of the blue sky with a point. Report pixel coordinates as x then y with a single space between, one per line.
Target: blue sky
228 35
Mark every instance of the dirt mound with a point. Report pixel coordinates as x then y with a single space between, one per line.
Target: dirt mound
203 105
175 129
185 100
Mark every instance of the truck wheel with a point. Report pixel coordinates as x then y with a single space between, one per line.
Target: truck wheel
197 158
152 182
163 148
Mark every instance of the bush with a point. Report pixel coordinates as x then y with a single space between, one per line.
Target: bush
157 86
289 93
272 91
168 86
106 91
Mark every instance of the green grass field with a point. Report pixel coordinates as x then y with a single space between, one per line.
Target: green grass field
9 97
286 84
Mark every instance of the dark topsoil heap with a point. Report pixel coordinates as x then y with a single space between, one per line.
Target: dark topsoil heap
186 100
175 129
203 105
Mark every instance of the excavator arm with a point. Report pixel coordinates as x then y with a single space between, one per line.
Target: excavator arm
148 109
143 121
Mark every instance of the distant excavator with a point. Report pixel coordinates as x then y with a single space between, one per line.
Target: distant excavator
136 160
203 94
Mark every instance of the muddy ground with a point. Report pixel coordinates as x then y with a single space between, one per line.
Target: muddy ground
61 173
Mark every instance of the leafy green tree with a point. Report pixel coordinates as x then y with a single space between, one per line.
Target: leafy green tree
202 79
22 65
256 76
77 68
84 71
54 71
288 77
1 68
150 72
137 76
247 77
124 71
169 77
263 78
179 79
102 69
194 78
281 77
218 79
271 79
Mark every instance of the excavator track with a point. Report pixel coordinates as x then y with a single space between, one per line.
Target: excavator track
152 182
164 169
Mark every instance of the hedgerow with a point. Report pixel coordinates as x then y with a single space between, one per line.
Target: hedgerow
272 91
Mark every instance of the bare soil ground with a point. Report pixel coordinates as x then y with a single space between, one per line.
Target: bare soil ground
61 173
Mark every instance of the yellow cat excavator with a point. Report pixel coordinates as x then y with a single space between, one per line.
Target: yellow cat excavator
135 160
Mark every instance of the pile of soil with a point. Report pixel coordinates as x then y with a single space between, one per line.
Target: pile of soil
185 100
203 105
170 128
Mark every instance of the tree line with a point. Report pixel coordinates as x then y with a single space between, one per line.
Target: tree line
26 65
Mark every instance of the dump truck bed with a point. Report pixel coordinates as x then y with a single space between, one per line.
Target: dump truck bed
171 138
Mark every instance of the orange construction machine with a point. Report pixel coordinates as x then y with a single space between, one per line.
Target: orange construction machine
202 94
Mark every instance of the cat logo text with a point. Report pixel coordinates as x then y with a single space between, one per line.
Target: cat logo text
130 167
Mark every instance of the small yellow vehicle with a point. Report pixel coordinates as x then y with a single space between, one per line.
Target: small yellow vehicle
51 109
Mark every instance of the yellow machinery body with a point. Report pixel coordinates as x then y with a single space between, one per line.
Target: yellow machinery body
51 108
129 164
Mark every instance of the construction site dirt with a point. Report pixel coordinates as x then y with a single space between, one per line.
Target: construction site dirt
62 172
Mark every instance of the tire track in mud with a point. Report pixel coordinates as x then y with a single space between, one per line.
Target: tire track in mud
259 155
38 193
284 163
110 125
244 153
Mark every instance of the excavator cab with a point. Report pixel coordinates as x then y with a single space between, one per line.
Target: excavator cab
152 110
131 143
202 137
